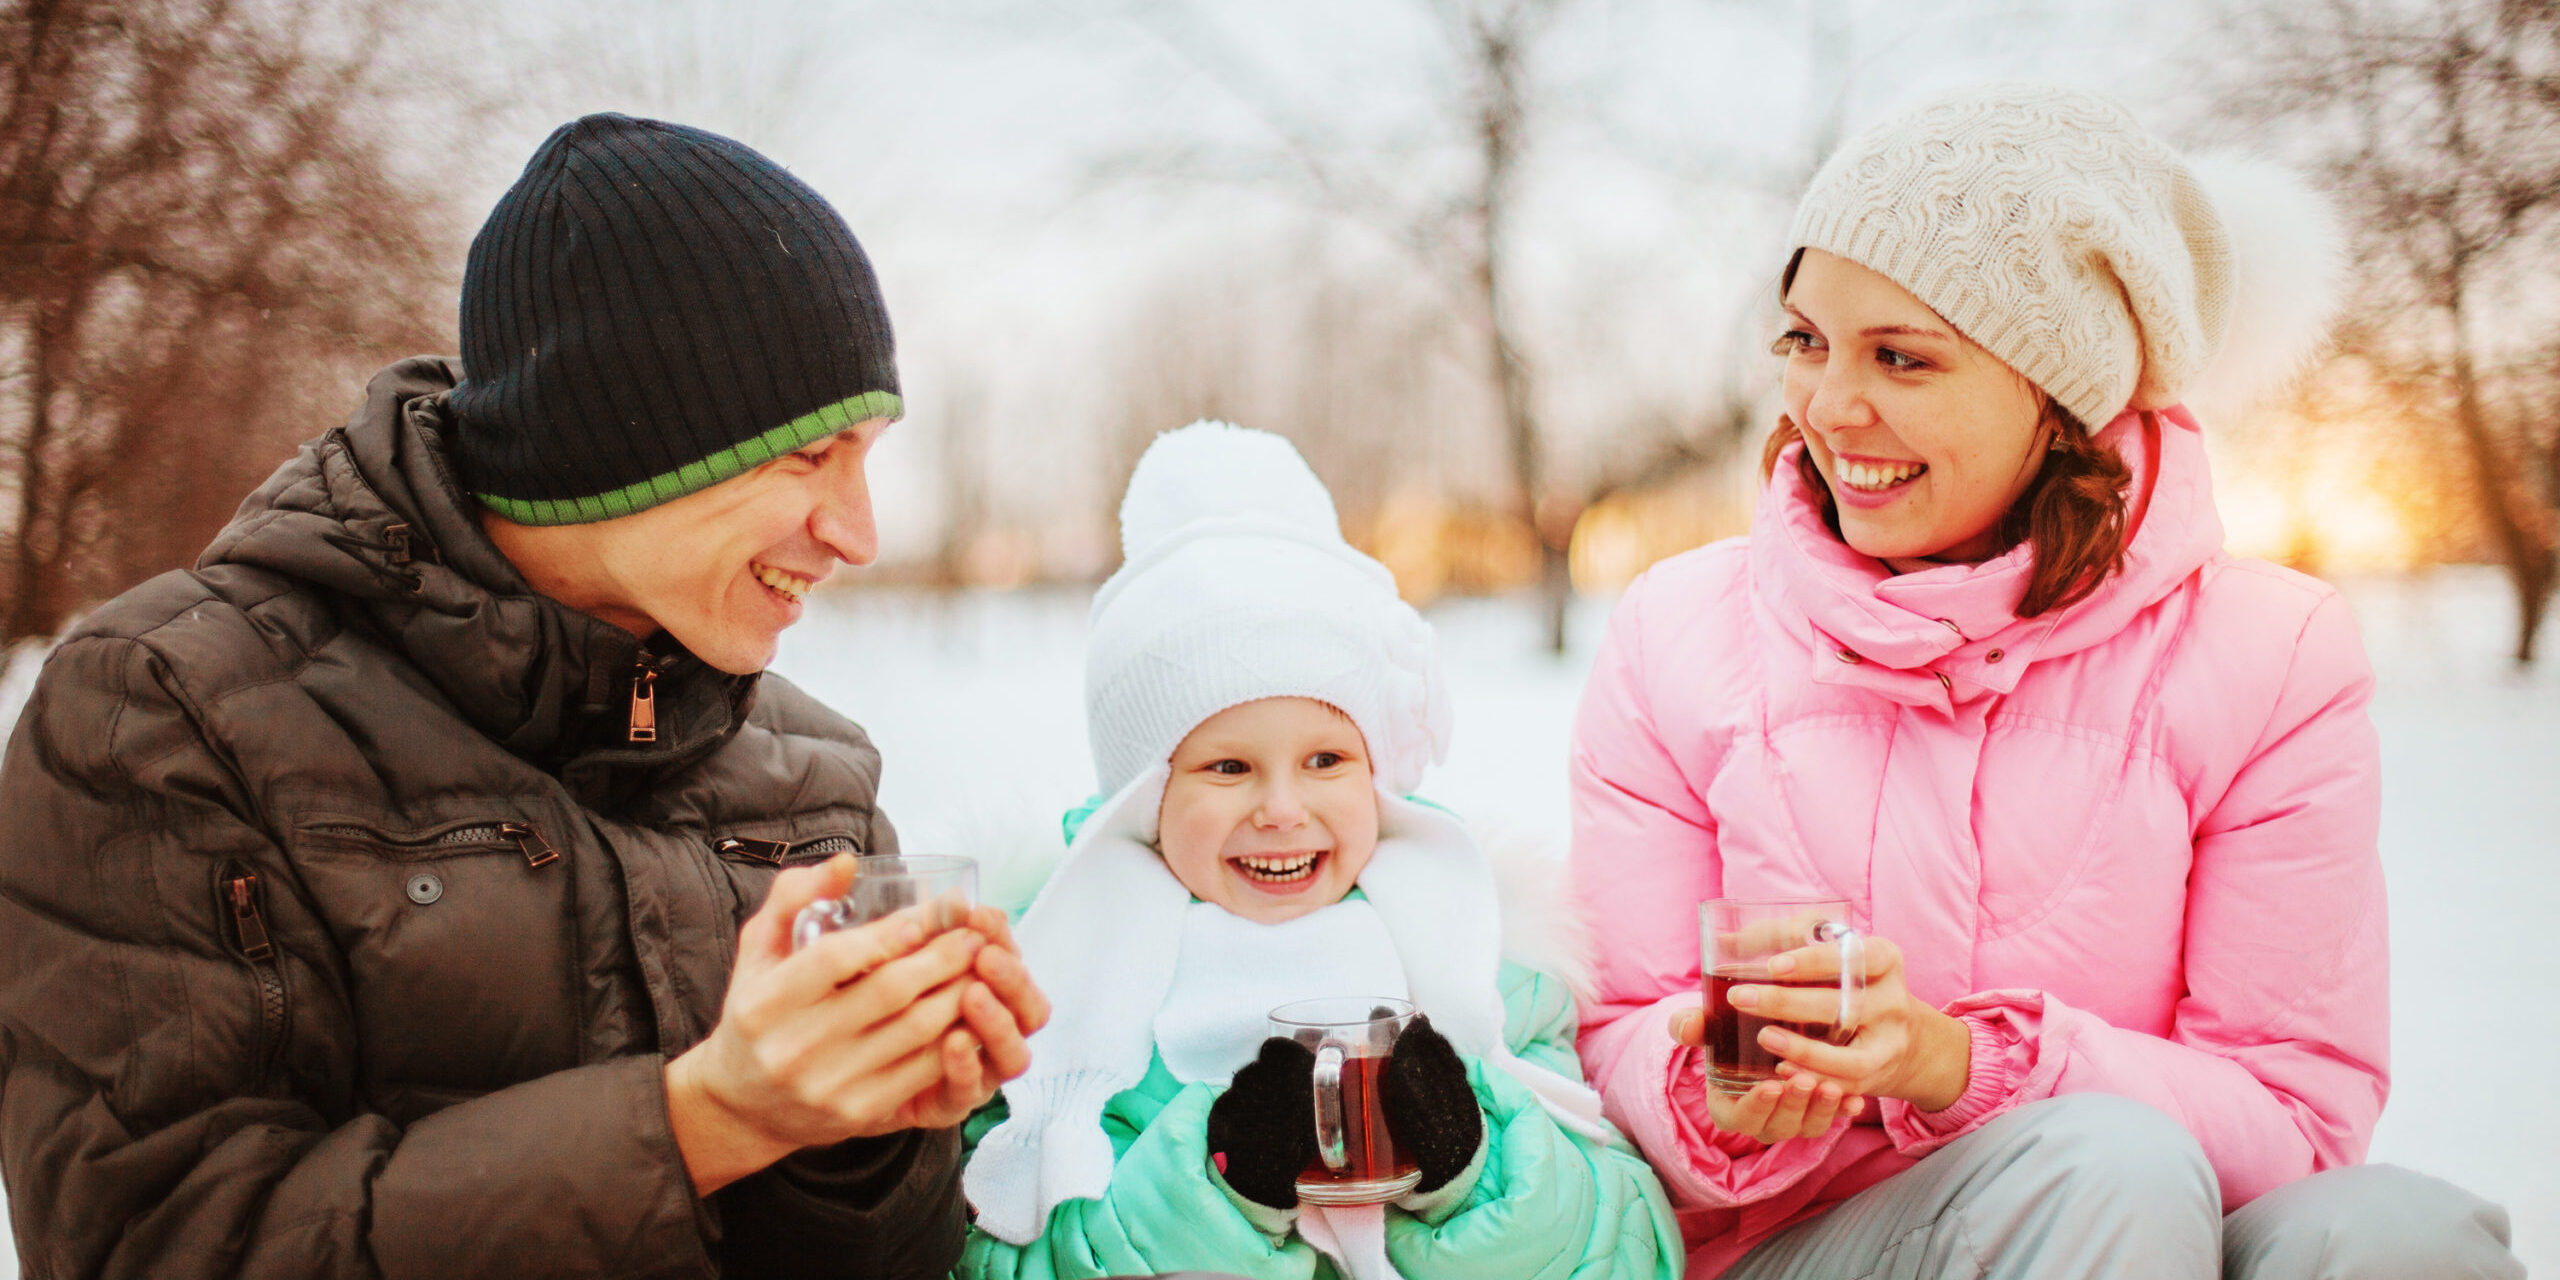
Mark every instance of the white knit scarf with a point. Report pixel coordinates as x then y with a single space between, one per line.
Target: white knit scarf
1105 938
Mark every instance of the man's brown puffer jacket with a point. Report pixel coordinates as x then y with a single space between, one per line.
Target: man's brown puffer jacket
344 930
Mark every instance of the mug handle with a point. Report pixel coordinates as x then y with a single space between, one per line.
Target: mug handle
1329 1137
1853 972
819 919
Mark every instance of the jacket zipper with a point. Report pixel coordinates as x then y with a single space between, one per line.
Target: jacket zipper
526 837
644 703
256 946
775 853
537 851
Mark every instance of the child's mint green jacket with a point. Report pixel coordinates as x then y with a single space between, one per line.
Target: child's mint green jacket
1547 1204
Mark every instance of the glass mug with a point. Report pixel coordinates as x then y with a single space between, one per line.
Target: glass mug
1357 1160
1736 938
944 887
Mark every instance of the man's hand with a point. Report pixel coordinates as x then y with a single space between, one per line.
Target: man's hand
858 1034
1001 1011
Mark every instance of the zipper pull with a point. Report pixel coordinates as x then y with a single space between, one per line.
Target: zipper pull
644 705
769 852
537 850
246 919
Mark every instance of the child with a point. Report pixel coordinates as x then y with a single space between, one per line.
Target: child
1260 703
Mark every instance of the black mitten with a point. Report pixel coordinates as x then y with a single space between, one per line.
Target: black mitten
1431 1109
1264 1123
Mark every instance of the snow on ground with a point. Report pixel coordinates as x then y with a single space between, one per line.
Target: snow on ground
976 702
2471 847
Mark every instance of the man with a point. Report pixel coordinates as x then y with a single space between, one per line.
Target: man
407 889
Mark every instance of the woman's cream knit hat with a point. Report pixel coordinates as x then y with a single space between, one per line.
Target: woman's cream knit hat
2046 225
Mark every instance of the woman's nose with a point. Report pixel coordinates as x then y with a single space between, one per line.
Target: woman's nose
1839 400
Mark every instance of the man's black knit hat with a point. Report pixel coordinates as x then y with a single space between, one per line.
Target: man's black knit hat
650 310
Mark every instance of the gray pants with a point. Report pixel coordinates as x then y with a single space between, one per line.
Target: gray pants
2101 1186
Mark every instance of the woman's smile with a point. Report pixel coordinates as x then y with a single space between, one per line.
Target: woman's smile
1874 482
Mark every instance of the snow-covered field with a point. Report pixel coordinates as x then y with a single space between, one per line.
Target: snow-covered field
976 703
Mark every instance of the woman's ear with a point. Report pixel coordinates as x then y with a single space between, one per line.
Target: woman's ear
2051 419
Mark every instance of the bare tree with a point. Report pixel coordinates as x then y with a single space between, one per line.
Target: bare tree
1493 41
202 249
1301 340
1452 223
2440 125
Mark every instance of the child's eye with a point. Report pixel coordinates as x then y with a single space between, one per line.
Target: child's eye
1892 359
1231 768
1793 341
1324 759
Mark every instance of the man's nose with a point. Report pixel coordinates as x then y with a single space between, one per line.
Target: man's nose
841 521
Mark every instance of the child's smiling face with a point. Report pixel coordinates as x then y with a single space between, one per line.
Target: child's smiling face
1271 811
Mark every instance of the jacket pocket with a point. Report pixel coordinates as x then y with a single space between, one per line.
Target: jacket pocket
783 853
460 939
240 900
456 840
750 863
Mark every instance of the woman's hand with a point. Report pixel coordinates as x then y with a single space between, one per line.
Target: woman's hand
866 1031
1903 1048
1773 1110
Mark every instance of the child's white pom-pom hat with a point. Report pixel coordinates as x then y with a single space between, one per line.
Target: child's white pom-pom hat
1236 585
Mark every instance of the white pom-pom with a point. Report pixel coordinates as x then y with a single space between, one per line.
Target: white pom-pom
2288 255
1215 470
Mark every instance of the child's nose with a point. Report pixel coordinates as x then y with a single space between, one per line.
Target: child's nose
1280 809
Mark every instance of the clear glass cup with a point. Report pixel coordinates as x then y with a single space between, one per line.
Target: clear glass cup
941 886
1357 1159
1736 939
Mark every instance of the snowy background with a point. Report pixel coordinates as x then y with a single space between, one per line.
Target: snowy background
975 700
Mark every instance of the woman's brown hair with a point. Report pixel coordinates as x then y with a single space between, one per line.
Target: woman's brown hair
2072 514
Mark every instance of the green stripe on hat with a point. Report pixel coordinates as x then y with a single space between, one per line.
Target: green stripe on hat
694 477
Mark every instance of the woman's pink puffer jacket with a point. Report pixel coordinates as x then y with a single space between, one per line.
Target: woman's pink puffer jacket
2130 842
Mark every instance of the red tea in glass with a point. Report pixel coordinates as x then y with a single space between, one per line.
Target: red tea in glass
1369 1152
1733 1035
1357 1160
1737 937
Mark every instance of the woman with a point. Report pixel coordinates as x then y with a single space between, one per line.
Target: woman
2104 797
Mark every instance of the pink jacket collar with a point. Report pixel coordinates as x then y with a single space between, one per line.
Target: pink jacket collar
1947 635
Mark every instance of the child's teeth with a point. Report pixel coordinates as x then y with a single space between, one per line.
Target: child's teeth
1277 867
